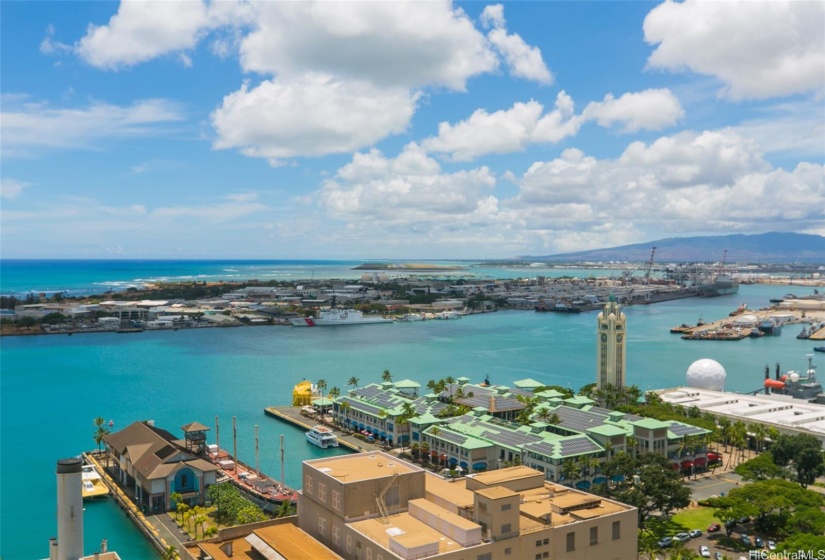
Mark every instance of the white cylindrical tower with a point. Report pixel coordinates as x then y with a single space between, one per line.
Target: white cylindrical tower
69 509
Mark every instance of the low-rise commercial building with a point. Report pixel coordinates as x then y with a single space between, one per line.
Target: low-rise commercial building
373 506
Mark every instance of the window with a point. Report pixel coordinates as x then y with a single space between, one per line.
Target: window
617 529
571 541
336 500
506 507
507 551
349 544
488 556
336 535
538 556
594 535
322 492
545 555
506 528
369 554
322 526
546 541
308 484
538 542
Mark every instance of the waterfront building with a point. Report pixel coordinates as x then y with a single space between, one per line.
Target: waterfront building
489 437
610 346
152 464
788 415
373 506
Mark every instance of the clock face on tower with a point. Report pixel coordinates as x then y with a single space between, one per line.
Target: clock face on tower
604 338
618 338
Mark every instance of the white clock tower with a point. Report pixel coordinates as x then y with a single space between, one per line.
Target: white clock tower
610 344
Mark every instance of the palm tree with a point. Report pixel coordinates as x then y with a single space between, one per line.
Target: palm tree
760 432
425 450
101 432
570 470
170 553
334 393
285 509
773 434
322 385
631 442
450 380
200 519
210 531
177 498
343 411
724 430
353 381
386 376
608 449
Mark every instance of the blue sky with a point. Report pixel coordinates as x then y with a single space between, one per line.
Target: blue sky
359 130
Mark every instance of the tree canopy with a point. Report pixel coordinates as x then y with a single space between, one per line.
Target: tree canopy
802 453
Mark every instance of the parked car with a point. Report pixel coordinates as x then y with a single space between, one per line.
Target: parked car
684 537
665 542
745 539
714 527
771 545
718 556
695 533
704 551
759 542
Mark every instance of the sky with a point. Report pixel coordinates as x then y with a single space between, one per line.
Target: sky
423 130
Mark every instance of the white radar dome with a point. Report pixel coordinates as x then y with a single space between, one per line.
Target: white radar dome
794 376
706 374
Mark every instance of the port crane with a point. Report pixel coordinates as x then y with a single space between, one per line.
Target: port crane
649 267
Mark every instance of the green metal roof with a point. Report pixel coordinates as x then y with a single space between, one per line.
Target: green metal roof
407 384
607 430
528 383
650 423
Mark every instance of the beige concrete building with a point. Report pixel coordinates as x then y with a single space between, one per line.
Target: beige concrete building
372 506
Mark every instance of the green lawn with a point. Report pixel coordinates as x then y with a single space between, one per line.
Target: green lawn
694 518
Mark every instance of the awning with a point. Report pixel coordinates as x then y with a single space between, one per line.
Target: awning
699 461
600 480
617 478
463 464
477 466
714 456
583 485
686 464
443 457
453 461
434 453
383 434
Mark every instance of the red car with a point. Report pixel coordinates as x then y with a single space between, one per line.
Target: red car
712 528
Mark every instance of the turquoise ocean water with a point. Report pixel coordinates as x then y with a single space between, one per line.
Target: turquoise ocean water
52 387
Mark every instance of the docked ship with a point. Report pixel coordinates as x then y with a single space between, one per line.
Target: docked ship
337 317
720 285
322 436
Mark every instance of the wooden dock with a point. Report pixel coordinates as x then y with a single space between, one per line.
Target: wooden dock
292 415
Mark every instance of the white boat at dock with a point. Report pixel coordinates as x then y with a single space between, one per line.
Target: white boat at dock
92 485
322 436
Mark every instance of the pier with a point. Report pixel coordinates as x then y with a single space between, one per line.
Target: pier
292 415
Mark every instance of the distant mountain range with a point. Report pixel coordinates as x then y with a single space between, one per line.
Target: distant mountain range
772 247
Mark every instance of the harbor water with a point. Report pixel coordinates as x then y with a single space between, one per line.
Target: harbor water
52 387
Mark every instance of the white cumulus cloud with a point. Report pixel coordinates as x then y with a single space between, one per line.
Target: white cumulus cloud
142 31
651 109
758 49
310 115
514 129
